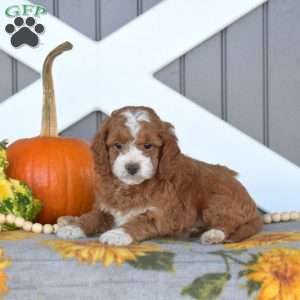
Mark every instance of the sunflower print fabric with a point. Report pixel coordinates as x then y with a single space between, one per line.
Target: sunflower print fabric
264 267
4 264
93 252
277 273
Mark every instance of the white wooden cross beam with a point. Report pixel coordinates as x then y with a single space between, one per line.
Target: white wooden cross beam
119 70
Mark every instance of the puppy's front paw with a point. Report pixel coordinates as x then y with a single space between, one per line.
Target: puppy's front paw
116 237
70 232
212 236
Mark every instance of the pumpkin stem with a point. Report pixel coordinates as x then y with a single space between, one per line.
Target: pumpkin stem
49 122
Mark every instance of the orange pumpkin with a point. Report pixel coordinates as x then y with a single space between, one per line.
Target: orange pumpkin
59 170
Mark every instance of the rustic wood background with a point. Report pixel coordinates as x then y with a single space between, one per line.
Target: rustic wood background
248 74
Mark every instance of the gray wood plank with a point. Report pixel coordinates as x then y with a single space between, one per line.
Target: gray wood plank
203 75
115 14
48 4
284 78
22 75
19 75
85 128
6 76
245 74
79 14
147 4
100 118
25 76
170 75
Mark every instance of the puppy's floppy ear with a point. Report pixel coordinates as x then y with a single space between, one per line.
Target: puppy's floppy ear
170 150
99 149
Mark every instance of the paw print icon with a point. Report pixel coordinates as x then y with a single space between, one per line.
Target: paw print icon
24 31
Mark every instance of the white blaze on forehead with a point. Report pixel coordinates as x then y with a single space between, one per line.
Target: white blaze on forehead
131 154
133 118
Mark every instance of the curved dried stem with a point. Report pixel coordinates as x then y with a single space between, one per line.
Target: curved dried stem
49 121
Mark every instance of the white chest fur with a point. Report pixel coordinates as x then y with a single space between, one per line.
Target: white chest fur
121 218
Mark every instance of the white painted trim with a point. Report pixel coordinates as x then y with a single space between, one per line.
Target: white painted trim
119 71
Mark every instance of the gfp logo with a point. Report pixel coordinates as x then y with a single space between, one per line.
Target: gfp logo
25 29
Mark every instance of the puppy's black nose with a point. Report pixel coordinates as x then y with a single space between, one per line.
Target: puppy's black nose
132 168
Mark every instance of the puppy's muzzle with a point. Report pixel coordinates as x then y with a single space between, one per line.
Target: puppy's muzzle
132 168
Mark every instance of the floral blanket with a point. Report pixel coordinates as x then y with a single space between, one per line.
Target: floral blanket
264 267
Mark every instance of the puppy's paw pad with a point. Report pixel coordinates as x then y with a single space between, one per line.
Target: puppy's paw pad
116 237
70 232
212 236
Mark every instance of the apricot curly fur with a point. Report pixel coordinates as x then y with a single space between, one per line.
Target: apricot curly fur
186 194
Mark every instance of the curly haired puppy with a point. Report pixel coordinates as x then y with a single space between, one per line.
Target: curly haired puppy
146 188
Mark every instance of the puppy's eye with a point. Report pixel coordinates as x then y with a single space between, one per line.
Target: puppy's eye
118 146
147 146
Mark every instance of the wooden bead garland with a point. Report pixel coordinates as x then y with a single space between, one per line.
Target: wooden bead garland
27 225
48 228
281 217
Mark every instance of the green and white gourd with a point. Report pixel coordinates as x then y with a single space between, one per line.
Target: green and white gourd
17 204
